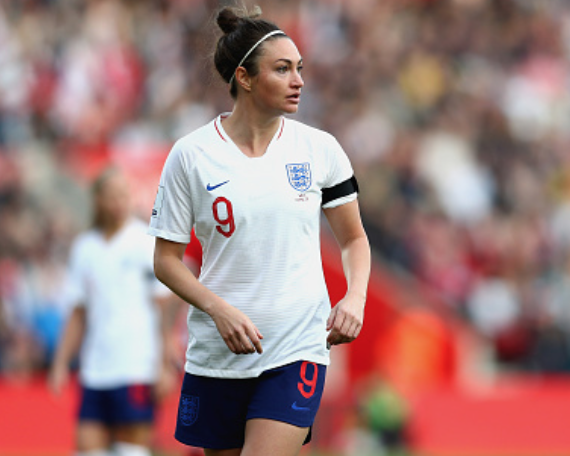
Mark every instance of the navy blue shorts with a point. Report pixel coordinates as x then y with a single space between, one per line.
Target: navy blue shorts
213 412
123 405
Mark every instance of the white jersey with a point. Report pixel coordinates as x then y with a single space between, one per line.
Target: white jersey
114 280
258 220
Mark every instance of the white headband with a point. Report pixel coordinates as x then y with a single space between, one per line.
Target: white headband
247 54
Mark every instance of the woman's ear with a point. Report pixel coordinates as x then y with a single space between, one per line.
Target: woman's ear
243 79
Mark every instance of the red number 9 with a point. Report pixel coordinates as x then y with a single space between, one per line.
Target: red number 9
228 221
311 383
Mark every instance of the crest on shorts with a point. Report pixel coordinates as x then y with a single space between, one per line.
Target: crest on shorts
188 409
299 175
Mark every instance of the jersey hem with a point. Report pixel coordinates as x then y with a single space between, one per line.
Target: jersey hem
115 382
181 238
340 201
252 373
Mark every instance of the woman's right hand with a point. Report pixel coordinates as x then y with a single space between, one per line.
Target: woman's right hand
58 378
239 333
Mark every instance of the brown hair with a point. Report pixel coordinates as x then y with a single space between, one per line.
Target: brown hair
242 30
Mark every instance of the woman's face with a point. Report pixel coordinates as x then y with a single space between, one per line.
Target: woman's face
277 86
113 200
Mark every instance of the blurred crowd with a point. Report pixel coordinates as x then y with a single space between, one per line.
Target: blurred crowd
455 113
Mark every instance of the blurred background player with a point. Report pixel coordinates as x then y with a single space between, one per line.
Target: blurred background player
119 322
253 184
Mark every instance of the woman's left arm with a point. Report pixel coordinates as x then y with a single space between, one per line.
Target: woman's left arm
346 318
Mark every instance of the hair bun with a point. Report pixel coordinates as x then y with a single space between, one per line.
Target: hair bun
229 18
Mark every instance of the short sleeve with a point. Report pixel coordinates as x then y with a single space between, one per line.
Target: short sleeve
340 186
172 216
75 287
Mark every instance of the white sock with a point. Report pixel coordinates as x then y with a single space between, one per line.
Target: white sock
93 453
130 449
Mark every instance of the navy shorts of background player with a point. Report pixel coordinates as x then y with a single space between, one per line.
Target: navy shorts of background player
123 405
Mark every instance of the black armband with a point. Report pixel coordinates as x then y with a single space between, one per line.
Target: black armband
345 188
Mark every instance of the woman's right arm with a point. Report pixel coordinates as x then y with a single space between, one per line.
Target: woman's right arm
237 330
67 348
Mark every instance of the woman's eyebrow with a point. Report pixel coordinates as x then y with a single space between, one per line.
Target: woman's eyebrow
289 61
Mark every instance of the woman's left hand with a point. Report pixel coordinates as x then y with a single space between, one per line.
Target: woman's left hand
345 320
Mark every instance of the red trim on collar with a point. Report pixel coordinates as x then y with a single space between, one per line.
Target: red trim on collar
282 126
218 130
222 136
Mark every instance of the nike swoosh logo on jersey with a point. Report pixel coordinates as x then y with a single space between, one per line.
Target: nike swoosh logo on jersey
294 406
214 187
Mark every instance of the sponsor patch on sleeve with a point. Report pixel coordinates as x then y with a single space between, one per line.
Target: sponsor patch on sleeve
157 208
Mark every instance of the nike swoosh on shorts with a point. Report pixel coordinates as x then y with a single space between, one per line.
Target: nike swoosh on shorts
294 406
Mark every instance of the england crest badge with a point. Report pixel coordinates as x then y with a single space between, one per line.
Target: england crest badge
299 175
188 409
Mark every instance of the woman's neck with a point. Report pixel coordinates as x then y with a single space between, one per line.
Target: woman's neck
110 228
250 130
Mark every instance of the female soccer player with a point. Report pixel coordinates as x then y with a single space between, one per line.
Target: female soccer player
116 322
252 183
